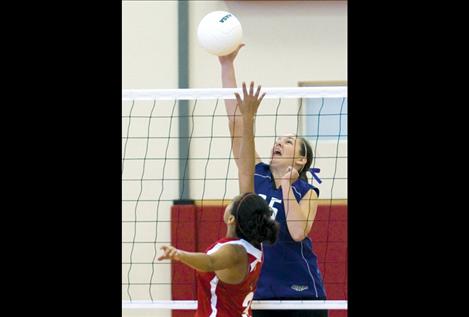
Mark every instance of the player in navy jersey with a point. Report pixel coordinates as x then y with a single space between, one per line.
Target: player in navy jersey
228 271
290 271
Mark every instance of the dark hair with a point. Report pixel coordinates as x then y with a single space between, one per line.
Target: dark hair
305 149
254 219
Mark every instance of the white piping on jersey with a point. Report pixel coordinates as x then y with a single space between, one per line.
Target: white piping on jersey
247 246
271 179
213 297
307 265
296 191
253 265
262 176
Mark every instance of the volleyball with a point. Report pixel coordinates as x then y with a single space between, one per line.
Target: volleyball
219 33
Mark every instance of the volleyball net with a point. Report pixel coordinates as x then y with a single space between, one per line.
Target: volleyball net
178 174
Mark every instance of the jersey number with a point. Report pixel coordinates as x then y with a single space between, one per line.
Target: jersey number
273 200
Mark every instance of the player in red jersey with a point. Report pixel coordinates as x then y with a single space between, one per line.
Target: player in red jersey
228 272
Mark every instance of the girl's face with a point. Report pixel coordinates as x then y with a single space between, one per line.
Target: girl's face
227 213
286 152
227 216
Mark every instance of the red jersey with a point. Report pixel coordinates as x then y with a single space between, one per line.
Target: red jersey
219 299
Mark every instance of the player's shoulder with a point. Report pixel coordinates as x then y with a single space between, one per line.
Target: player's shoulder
262 171
262 167
226 243
233 250
302 187
246 247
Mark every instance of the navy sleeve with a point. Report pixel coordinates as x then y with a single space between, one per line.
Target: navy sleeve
262 169
301 187
262 178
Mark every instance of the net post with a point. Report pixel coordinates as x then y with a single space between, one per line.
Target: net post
183 82
183 236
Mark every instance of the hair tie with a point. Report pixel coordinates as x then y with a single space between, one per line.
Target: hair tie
314 171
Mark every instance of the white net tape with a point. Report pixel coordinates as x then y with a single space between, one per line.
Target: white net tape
228 93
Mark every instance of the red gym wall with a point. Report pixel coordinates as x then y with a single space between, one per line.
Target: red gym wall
194 228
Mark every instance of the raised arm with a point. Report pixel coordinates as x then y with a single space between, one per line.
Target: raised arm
248 107
228 78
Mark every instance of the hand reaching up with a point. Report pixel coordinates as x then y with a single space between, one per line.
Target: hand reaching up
250 103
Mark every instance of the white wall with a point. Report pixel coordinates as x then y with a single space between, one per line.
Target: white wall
149 44
286 42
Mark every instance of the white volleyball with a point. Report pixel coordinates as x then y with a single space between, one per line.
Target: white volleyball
219 33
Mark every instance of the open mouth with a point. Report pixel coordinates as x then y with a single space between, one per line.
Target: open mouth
277 152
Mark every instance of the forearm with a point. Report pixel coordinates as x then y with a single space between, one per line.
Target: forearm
196 260
236 131
228 79
234 116
297 221
228 76
246 163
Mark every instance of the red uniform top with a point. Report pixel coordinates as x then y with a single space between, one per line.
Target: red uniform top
216 298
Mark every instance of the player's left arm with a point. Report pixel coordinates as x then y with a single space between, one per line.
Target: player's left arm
226 257
248 107
300 216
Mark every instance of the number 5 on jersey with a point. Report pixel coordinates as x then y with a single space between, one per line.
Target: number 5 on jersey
273 200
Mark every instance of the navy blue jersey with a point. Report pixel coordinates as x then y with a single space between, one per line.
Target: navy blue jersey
290 269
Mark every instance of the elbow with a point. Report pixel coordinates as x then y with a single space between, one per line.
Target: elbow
204 270
297 230
298 235
299 238
210 266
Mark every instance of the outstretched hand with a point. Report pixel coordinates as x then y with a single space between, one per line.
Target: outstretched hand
250 103
169 253
230 57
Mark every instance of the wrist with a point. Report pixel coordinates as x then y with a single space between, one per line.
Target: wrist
178 255
248 117
227 63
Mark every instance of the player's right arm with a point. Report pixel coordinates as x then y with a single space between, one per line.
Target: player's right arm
227 257
235 120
